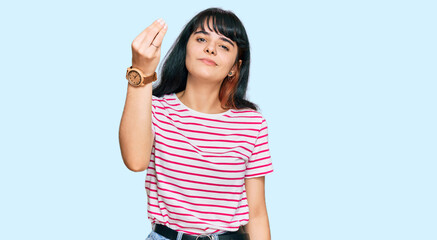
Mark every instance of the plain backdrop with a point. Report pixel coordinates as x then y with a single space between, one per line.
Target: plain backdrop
348 89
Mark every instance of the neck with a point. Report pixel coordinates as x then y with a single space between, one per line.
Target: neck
201 95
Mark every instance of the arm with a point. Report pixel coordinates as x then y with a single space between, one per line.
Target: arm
258 226
135 133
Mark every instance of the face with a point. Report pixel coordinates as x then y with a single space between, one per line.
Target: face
210 55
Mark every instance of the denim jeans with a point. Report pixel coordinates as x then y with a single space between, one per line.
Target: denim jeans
155 236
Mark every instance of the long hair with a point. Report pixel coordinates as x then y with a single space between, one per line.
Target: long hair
173 77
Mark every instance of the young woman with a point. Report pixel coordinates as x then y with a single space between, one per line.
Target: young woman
204 146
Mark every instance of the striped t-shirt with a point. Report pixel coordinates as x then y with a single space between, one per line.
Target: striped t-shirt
195 179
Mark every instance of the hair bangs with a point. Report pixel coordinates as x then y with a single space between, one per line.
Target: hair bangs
221 24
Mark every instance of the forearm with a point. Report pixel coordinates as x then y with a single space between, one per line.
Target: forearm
258 228
135 134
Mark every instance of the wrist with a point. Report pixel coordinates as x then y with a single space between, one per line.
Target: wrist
147 72
137 78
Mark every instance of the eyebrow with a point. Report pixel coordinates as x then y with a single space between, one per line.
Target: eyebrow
222 38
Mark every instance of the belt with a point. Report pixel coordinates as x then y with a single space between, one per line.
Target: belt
173 234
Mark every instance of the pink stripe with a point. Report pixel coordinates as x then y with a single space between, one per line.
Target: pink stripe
179 141
208 133
196 204
184 214
203 212
212 120
252 161
218 134
199 124
178 103
200 139
211 169
197 159
196 189
190 150
265 135
262 151
229 116
243 116
224 147
261 166
165 100
165 108
209 119
243 111
193 196
202 183
196 174
259 145
250 175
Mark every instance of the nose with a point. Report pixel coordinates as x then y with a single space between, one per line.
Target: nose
210 49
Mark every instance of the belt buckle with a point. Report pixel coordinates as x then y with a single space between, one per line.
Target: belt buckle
210 237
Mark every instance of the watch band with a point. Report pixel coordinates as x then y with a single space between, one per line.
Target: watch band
137 78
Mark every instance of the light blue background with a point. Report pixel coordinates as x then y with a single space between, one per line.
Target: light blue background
348 89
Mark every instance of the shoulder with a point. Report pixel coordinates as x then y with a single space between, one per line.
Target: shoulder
252 117
248 112
163 99
255 115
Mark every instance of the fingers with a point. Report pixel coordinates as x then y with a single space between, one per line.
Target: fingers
155 29
140 39
158 39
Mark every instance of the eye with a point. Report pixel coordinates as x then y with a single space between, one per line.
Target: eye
200 39
226 48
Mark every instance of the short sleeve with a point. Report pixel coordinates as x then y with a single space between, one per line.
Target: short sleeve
260 162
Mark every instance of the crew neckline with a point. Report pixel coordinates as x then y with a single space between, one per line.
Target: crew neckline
199 113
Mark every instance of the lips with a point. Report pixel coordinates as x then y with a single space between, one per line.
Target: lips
208 61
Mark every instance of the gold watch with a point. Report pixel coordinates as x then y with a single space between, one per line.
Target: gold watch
136 77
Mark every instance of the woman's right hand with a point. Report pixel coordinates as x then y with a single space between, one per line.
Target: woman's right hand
146 47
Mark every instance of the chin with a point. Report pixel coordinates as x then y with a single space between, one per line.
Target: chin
205 73
205 76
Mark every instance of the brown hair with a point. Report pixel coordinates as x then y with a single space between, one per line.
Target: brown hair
228 89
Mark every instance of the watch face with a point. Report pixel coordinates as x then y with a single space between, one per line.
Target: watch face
134 77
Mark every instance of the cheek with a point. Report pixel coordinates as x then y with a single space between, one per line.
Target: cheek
191 52
228 63
190 61
228 59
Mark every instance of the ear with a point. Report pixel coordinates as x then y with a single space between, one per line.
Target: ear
234 68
